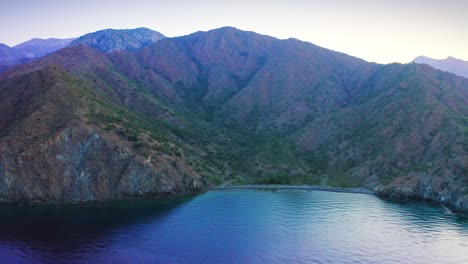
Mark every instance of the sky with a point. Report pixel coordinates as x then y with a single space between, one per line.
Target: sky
382 31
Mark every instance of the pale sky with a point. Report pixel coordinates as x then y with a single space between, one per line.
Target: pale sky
381 31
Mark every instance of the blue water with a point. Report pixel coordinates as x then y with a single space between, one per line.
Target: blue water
247 226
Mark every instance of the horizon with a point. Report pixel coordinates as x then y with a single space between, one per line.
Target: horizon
384 32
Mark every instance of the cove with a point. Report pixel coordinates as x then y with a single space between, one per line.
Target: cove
234 226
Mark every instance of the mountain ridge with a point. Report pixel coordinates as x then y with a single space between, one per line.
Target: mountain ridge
450 64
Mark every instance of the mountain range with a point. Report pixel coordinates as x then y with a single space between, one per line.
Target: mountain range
450 64
104 40
233 106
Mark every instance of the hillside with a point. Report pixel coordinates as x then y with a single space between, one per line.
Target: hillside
79 142
317 115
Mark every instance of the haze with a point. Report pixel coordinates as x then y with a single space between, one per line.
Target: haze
379 31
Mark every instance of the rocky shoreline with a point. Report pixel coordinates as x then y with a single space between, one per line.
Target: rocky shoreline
456 204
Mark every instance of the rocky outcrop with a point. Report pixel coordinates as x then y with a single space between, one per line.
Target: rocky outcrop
79 164
451 192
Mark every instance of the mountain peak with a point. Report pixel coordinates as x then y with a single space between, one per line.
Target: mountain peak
108 40
229 30
450 64
450 58
421 58
226 28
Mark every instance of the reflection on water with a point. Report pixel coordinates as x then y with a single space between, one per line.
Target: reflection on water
48 232
234 226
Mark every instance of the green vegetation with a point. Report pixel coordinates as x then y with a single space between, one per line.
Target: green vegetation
276 179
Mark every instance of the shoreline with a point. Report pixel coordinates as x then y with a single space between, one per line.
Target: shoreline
292 187
103 200
216 188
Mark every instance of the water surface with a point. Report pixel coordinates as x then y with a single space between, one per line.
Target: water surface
234 226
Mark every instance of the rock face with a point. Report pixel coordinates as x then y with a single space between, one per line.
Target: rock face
450 64
119 39
229 105
427 187
79 164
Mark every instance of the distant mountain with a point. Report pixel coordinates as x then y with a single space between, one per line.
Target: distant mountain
29 50
6 54
450 64
119 39
104 40
229 105
7 57
36 48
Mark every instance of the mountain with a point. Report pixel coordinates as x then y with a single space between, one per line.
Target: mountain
37 47
450 64
119 39
29 50
230 106
317 115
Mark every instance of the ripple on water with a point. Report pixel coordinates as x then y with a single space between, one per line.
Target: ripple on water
235 226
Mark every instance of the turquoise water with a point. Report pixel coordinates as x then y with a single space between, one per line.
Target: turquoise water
236 226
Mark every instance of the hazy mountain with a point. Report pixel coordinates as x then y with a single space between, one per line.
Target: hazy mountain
450 64
37 47
29 50
6 54
230 105
119 39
